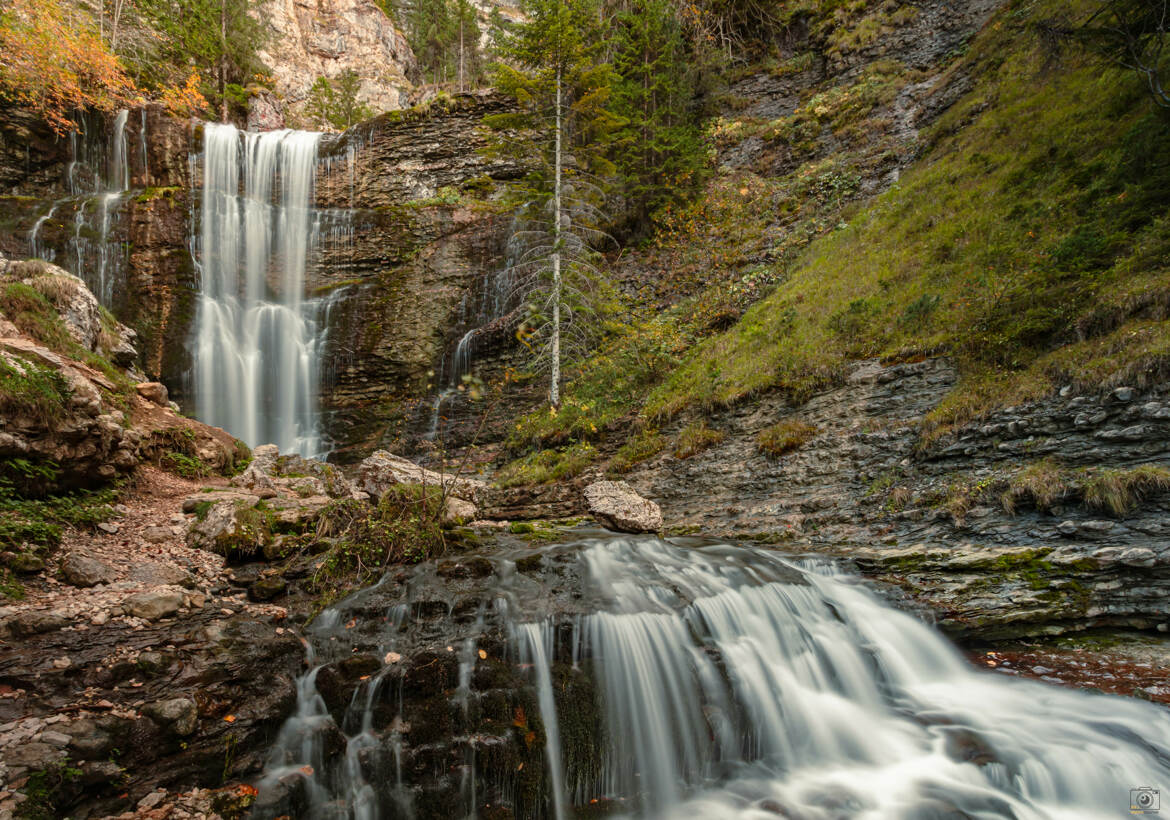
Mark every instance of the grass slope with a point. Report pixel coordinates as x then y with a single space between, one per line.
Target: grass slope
1030 243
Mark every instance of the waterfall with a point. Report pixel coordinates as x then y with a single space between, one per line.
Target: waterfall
732 684
256 342
98 178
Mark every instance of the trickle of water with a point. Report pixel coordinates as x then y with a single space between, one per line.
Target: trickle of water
257 342
91 254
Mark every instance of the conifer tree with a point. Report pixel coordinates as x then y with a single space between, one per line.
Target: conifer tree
553 69
658 150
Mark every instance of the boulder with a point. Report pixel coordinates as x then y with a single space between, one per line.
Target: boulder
617 506
233 528
155 392
456 511
255 479
265 589
153 605
177 714
82 571
383 470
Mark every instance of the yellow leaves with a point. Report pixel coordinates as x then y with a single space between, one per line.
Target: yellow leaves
482 655
185 100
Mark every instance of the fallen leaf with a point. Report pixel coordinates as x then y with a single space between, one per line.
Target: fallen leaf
307 771
229 718
482 655
393 657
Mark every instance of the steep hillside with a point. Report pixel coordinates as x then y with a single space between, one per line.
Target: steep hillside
1024 237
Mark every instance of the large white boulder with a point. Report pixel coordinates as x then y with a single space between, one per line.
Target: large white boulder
616 505
383 470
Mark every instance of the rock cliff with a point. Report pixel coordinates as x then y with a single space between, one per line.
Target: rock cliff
324 38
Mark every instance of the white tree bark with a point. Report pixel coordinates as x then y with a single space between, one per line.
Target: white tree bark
554 390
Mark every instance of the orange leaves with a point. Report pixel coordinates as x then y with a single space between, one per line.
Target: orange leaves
55 62
229 718
185 100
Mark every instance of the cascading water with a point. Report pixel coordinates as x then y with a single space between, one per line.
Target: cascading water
731 683
256 341
98 179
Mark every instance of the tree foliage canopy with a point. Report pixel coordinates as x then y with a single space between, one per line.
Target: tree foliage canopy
53 62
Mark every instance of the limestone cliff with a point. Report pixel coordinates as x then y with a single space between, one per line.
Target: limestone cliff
322 38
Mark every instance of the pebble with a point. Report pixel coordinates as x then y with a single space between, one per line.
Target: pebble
108 527
63 662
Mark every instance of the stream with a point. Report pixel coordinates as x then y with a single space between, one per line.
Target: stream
680 678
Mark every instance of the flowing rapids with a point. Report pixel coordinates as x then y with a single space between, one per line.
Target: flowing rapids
732 684
256 343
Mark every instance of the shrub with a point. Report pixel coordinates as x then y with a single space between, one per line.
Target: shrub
785 436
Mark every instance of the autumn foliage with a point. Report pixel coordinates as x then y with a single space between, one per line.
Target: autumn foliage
53 62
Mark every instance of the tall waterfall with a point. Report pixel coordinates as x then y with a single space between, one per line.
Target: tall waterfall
732 684
256 345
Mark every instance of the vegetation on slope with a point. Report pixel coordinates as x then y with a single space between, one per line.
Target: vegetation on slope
1028 242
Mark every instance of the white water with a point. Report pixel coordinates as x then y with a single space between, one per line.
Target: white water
256 341
736 685
91 254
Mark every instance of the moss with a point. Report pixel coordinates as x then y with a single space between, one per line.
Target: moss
28 389
785 436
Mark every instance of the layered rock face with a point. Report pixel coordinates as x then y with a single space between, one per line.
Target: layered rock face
327 37
407 236
1043 518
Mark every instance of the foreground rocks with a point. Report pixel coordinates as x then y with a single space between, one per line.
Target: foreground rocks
143 668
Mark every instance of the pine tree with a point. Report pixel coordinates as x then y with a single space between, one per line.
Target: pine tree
555 73
658 150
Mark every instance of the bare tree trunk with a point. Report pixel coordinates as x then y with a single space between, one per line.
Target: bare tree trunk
554 391
461 13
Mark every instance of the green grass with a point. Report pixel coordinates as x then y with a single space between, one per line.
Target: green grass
546 466
785 436
640 447
695 438
29 389
1030 243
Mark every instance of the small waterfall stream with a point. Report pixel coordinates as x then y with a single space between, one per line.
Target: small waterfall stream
98 182
732 684
256 339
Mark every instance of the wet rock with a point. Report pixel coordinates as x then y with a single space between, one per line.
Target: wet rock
180 715
616 505
266 589
155 392
466 568
32 622
152 606
82 571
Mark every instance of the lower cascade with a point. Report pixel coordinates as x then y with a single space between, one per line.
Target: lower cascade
632 676
256 344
